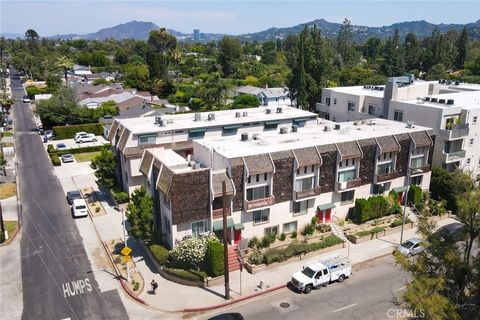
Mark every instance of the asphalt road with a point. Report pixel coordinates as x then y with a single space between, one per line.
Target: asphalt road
56 282
369 294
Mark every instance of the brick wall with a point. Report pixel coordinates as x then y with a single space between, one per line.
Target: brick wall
282 180
237 178
327 171
367 163
402 158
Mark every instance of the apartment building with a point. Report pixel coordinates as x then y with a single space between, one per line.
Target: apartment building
276 181
455 118
129 137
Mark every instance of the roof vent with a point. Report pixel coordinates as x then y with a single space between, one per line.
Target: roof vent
198 116
450 101
245 114
268 111
256 136
283 130
238 114
279 110
410 124
441 101
197 165
434 99
294 128
337 126
355 122
157 120
328 128
244 137
426 99
211 116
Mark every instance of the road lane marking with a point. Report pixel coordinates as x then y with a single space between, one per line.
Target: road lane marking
399 289
76 287
352 305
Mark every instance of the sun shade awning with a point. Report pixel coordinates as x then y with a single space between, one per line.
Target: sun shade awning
218 225
238 226
231 127
326 206
197 130
400 189
271 122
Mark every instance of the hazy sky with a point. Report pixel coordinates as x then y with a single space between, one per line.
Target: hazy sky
222 16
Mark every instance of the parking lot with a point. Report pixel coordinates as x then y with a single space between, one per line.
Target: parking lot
71 144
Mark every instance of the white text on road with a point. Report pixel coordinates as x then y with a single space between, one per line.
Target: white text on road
73 288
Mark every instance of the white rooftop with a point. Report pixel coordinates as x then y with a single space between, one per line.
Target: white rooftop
462 99
232 146
371 91
222 118
171 159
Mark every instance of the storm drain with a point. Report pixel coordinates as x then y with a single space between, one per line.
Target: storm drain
285 305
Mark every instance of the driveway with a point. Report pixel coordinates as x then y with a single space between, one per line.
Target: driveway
71 144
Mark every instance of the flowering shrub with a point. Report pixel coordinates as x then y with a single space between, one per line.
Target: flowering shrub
190 252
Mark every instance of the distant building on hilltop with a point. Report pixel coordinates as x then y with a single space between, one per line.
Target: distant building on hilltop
196 35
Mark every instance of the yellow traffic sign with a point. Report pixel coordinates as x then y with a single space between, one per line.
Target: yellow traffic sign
126 251
126 259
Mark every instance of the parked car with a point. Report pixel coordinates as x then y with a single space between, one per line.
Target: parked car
78 134
227 316
79 208
26 99
61 146
86 138
450 232
67 158
73 195
411 247
49 134
321 273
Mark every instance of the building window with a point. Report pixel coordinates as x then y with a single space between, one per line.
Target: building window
417 180
258 193
475 120
166 202
270 126
261 216
380 188
227 131
347 175
385 168
147 138
471 141
468 161
258 177
168 226
347 197
300 208
417 162
351 106
196 134
270 231
334 100
198 228
398 116
327 101
304 184
290 227
372 109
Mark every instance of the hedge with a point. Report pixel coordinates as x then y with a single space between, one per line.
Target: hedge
372 208
160 253
82 149
68 132
190 275
415 194
279 255
398 222
370 231
51 148
214 259
55 160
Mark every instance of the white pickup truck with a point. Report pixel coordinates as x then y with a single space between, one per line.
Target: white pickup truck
321 273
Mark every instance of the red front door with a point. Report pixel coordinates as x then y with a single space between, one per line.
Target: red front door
237 236
327 215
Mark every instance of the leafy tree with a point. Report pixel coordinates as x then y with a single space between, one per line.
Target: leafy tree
462 45
3 164
345 44
53 81
32 37
438 71
64 64
62 108
394 63
269 52
158 44
412 52
214 259
372 49
104 165
251 81
230 52
140 214
213 90
245 101
121 56
137 76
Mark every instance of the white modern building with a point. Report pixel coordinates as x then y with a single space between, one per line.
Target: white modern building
276 181
129 137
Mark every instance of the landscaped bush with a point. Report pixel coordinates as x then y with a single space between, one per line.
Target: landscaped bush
256 257
50 148
68 132
120 197
374 207
308 229
293 235
82 149
267 240
362 211
324 228
55 159
190 252
254 242
282 237
214 259
370 231
160 253
190 275
398 222
378 207
415 194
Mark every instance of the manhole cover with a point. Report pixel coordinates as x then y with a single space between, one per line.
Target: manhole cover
285 305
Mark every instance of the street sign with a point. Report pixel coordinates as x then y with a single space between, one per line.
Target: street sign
126 251
126 259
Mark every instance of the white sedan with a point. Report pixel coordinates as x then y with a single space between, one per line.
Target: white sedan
86 138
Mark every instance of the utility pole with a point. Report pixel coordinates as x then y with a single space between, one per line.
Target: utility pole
225 242
2 226
125 241
405 200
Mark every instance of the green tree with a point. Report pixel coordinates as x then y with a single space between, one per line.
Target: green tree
230 52
213 90
3 164
461 45
214 259
104 165
245 101
412 52
269 52
64 64
32 37
62 108
394 63
345 43
159 43
53 81
136 75
140 214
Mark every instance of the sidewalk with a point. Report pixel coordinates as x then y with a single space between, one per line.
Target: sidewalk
171 296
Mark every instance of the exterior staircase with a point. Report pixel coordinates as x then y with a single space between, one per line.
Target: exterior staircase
410 213
233 263
337 230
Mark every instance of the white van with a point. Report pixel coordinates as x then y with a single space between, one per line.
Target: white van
79 208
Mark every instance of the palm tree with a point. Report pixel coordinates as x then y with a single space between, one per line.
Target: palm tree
177 57
65 64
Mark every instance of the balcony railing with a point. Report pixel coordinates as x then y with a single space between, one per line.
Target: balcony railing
456 132
387 176
349 184
297 195
419 170
218 213
454 156
322 107
258 203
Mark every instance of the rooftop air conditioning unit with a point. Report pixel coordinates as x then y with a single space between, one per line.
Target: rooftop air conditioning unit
255 136
294 128
211 116
157 120
441 100
328 128
434 99
238 114
337 126
197 165
268 111
283 130
245 114
279 110
426 99
410 124
342 185
450 101
244 137
198 116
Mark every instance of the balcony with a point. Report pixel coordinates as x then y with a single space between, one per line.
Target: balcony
454 156
297 195
340 186
457 132
386 176
259 203
218 213
322 107
420 170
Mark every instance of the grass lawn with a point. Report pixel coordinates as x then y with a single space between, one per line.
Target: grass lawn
7 144
87 156
7 134
7 190
10 227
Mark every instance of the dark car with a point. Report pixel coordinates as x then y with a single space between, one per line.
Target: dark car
450 232
72 195
227 316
